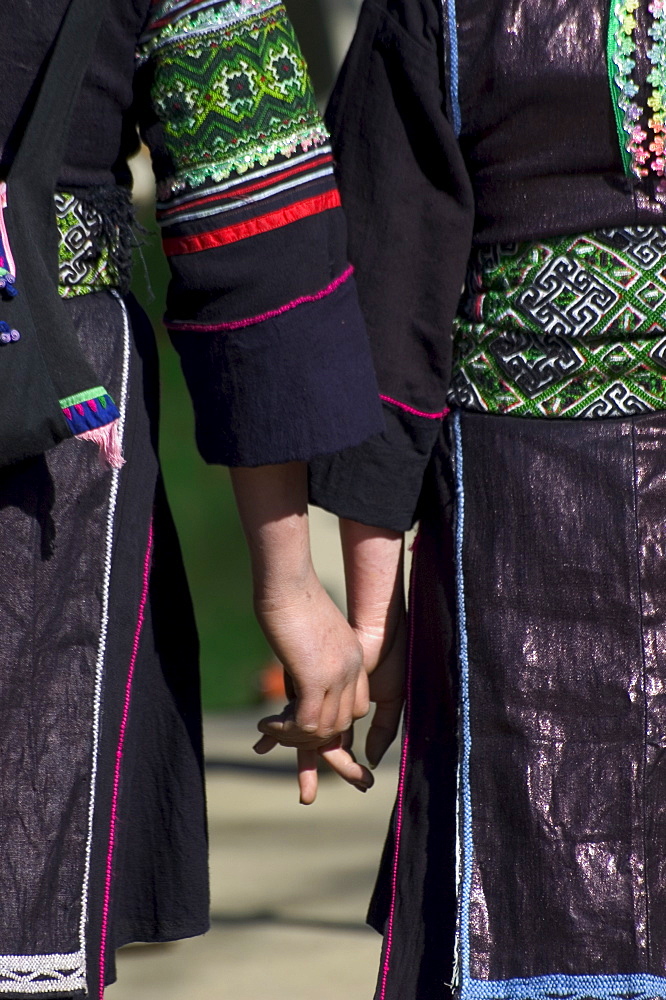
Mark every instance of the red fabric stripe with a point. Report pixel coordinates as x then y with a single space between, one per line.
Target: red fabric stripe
168 17
253 227
248 189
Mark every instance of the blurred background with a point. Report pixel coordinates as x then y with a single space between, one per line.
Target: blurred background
290 886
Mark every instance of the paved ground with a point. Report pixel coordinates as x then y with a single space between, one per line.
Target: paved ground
290 886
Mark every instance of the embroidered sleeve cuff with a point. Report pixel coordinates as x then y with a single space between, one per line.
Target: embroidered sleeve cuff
283 387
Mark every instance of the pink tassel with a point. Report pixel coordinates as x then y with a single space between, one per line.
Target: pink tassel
107 440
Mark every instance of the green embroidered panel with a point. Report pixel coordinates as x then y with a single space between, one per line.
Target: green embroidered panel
87 257
232 90
571 327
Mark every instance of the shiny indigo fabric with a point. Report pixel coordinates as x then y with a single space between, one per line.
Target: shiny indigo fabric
565 598
563 545
538 132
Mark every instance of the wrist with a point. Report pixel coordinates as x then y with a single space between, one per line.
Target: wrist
285 583
373 560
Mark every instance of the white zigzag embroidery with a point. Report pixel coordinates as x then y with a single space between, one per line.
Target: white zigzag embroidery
42 973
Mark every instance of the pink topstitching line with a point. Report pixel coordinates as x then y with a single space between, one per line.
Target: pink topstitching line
416 413
401 795
239 324
119 757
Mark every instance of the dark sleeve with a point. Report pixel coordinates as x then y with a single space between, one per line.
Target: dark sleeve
409 205
262 304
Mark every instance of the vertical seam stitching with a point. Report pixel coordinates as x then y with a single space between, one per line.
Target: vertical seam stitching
644 682
104 627
465 827
451 19
106 905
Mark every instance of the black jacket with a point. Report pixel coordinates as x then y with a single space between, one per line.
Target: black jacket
474 121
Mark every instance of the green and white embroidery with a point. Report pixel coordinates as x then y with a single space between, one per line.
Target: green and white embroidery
568 327
231 89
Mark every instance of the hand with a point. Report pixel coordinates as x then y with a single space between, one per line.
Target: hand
376 599
384 657
324 663
337 753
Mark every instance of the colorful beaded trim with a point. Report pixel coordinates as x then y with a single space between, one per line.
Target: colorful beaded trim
7 265
172 22
568 327
641 130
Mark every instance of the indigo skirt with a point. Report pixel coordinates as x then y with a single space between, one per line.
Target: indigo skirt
527 852
102 824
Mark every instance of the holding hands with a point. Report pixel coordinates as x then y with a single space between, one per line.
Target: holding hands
333 668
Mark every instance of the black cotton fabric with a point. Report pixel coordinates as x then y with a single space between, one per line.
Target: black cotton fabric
217 287
250 416
536 154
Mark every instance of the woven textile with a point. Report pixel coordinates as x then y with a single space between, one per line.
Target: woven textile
95 250
231 87
568 327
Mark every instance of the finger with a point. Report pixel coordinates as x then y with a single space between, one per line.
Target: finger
283 729
286 731
308 715
307 776
343 763
383 730
285 715
362 697
288 734
337 713
265 744
346 712
289 686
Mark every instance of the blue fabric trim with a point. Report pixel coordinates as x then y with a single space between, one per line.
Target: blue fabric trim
637 986
466 832
90 419
454 83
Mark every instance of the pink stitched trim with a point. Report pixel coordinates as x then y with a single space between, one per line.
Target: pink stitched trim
239 324
386 966
416 413
119 758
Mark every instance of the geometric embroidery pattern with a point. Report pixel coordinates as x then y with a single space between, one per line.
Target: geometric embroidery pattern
230 87
94 252
568 327
38 974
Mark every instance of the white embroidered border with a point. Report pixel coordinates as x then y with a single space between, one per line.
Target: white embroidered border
42 973
223 16
104 625
241 181
251 199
